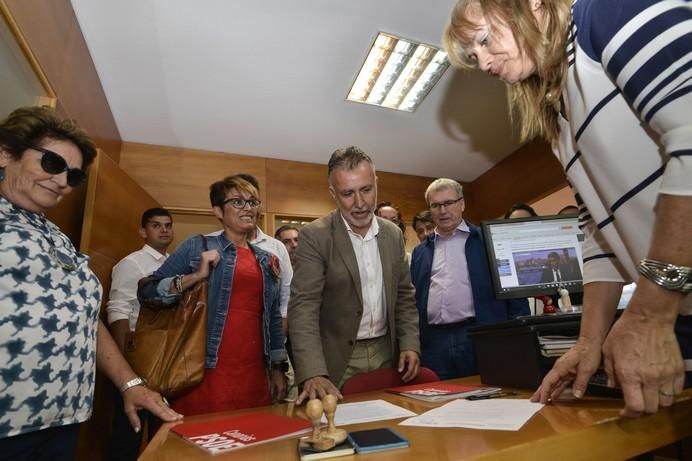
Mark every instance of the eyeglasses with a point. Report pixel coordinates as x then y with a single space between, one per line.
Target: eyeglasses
54 164
240 203
447 204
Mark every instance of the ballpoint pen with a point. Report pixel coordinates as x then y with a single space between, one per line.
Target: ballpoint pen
496 395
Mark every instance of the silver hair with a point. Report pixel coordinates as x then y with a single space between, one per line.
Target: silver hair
443 184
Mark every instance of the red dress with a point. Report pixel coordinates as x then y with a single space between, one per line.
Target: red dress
240 378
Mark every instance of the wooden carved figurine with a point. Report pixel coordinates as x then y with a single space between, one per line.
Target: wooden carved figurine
329 405
314 411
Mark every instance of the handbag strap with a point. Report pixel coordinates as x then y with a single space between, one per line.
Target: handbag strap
204 242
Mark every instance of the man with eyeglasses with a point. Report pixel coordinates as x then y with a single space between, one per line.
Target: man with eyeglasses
453 287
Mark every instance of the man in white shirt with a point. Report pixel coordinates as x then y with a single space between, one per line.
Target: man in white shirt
352 306
123 309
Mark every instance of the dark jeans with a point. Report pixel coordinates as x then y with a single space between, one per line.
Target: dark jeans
52 444
125 442
448 351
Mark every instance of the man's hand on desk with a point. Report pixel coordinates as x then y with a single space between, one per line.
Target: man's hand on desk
409 361
317 387
576 366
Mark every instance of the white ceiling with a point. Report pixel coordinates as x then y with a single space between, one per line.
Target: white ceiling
269 78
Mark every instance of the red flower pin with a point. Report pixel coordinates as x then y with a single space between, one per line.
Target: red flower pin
275 266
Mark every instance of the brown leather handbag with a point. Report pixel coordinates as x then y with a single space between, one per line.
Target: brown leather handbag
168 345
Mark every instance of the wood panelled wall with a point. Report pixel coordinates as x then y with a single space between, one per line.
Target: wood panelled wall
52 33
114 206
180 178
528 174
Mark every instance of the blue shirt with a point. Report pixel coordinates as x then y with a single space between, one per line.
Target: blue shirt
450 299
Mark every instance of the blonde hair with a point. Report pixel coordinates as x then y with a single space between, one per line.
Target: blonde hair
536 99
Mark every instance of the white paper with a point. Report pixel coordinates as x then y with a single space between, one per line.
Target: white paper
490 414
369 410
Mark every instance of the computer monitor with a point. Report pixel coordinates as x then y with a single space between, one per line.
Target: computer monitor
534 256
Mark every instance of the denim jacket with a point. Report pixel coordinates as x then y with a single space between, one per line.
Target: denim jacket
185 260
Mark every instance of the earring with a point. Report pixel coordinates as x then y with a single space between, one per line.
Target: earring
2 174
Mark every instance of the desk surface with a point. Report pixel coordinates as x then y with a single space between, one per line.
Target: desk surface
587 428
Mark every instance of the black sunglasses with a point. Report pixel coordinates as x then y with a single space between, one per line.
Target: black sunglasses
54 164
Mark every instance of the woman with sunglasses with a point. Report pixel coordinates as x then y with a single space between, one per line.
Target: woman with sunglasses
608 83
51 338
246 356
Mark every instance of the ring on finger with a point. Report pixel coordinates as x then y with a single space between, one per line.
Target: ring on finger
165 402
665 394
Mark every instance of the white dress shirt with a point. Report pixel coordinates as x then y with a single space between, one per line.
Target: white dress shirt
122 301
277 248
373 324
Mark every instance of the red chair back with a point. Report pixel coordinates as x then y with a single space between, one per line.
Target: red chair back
382 379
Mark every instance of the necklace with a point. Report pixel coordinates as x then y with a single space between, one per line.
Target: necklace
58 254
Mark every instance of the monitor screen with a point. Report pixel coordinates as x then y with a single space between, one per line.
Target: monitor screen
534 256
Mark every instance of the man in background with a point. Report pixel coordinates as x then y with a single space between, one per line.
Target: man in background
453 286
123 310
288 235
423 225
555 271
352 306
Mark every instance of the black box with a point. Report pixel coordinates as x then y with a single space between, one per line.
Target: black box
509 354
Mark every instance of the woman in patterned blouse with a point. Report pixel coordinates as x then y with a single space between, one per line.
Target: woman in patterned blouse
51 338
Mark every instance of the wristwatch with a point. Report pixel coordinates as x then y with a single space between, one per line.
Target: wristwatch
136 381
669 276
281 366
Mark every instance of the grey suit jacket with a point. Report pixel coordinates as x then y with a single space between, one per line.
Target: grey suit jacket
326 303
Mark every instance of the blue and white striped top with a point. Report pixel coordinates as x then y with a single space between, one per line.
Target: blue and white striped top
627 133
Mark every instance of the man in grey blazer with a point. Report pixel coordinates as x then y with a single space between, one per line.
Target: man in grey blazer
352 307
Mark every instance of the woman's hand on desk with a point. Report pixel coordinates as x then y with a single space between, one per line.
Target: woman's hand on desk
142 398
575 366
642 355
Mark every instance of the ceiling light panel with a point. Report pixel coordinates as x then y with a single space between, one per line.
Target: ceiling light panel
398 73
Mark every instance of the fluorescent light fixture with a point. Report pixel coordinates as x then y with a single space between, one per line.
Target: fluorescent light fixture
398 73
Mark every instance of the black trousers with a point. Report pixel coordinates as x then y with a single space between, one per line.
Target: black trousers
125 442
52 444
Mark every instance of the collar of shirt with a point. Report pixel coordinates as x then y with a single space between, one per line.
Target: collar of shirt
221 236
154 254
372 232
259 236
462 227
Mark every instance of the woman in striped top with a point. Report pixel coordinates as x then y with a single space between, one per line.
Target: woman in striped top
609 84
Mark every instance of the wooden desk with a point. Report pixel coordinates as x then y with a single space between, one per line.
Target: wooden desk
586 429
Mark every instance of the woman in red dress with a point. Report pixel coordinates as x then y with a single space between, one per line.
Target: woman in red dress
245 345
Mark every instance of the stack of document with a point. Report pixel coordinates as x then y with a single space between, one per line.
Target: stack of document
495 414
555 346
